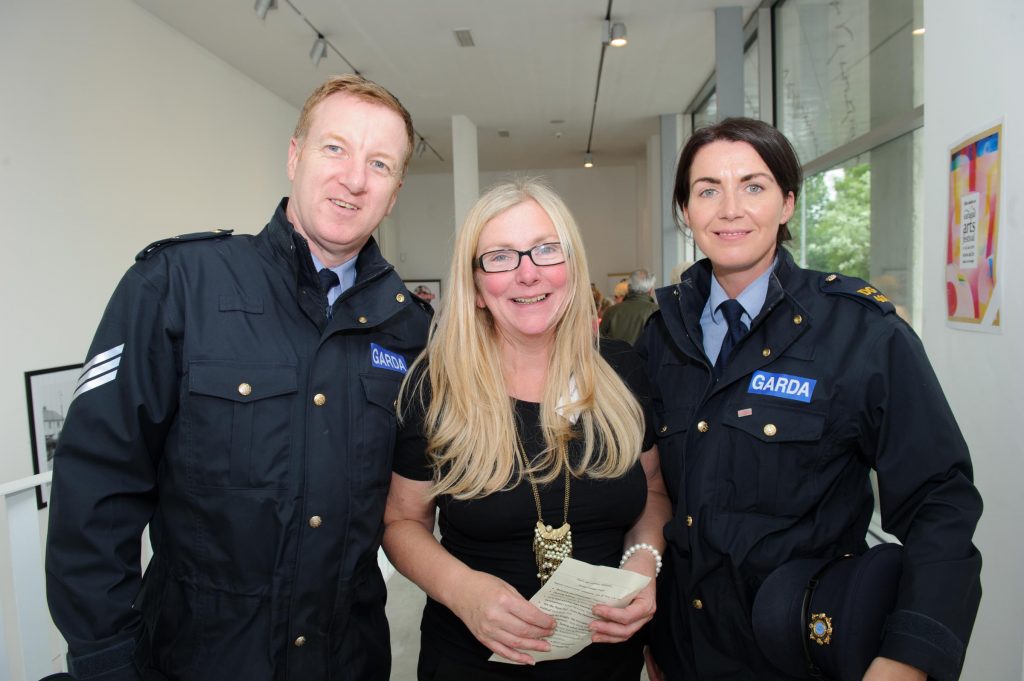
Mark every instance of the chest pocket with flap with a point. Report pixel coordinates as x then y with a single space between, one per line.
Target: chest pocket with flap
238 417
377 427
772 456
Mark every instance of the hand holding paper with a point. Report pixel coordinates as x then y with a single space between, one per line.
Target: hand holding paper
570 595
500 618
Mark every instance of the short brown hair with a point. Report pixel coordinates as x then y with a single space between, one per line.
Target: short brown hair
770 144
363 89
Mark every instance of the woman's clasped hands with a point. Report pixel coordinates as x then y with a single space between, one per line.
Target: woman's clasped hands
501 619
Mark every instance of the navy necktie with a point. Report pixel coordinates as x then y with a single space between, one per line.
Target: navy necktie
732 311
328 280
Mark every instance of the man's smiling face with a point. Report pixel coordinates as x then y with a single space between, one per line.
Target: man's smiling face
345 175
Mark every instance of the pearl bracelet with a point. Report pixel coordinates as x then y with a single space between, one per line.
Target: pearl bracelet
628 553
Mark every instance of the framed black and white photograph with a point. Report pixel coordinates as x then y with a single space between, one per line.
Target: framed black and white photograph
49 393
426 289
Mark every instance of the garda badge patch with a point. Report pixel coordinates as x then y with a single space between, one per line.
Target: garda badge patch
782 385
385 359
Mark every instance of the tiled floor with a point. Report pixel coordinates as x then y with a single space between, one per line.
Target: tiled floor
405 608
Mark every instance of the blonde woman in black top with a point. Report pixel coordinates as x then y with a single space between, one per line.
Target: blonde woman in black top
516 420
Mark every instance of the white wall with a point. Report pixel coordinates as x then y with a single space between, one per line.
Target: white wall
115 130
606 202
422 227
971 51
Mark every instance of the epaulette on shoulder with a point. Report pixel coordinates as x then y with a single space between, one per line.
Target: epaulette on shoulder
180 239
857 289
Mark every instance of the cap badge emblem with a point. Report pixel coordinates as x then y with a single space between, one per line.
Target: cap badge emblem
821 628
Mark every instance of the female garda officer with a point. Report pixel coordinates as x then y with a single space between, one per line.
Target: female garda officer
776 390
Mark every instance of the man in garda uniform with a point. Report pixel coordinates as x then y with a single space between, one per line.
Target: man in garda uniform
239 398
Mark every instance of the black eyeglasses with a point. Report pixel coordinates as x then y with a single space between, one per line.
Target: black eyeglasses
508 259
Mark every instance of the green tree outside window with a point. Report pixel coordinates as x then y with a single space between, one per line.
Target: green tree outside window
836 206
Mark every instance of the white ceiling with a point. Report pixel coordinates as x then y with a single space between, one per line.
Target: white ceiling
535 61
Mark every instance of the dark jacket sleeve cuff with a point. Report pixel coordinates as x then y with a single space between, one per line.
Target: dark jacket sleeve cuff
918 640
116 663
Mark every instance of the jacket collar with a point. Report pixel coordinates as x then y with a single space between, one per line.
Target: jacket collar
782 277
372 271
695 286
681 305
777 332
294 249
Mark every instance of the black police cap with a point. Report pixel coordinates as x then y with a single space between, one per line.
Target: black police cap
823 618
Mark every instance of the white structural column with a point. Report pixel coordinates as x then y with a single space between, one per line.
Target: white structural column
671 238
5 661
465 166
729 61
652 255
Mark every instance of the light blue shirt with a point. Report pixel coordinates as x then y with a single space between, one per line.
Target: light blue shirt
346 272
712 322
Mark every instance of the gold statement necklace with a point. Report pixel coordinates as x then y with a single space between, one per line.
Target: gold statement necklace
550 545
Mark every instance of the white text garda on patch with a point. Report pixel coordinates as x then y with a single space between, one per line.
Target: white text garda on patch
781 385
388 360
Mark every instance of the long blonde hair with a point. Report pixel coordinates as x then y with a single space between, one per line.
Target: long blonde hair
469 419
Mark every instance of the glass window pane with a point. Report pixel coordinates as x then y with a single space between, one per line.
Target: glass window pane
707 113
918 52
861 218
843 67
751 91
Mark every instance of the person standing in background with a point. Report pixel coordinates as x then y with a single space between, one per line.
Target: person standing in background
621 289
599 303
626 320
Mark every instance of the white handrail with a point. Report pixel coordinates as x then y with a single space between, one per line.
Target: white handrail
25 483
25 619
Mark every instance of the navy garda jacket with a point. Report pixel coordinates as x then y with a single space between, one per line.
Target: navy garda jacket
221 406
771 464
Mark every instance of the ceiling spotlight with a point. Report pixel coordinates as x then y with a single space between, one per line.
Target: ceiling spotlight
264 6
588 160
918 31
615 34
319 50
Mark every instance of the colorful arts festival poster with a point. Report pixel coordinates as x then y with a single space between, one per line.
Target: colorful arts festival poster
972 293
